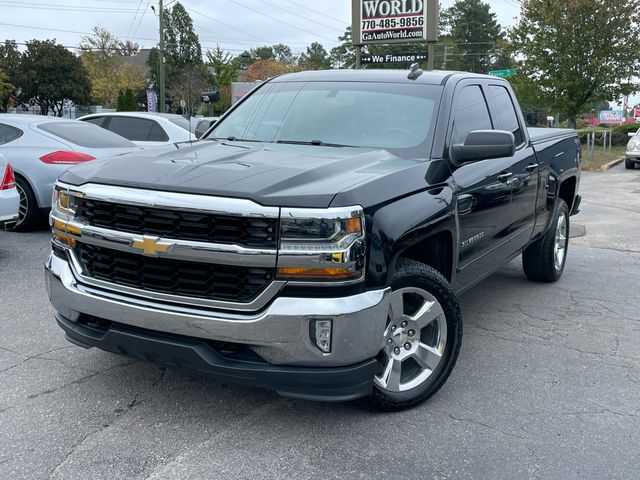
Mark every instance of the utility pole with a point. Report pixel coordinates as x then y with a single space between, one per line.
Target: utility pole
161 79
430 55
446 57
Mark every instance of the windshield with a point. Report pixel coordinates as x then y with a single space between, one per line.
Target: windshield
391 116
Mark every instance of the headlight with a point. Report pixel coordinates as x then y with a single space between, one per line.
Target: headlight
63 207
322 244
632 146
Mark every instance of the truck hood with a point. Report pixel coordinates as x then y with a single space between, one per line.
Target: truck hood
269 174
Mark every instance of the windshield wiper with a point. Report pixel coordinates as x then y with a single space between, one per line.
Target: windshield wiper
234 139
318 143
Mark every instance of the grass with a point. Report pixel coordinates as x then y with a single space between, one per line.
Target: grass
601 158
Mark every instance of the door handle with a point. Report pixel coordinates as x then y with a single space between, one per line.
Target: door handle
532 167
504 177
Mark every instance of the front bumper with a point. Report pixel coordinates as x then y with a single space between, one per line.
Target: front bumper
280 334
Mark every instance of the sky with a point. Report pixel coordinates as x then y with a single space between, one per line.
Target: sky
235 25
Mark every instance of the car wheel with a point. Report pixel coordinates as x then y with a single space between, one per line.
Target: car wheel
629 164
544 260
421 341
28 213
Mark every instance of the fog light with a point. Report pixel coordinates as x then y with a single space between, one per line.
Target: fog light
320 332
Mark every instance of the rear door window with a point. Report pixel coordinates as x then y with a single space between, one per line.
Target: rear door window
9 133
157 133
471 113
85 134
505 115
134 129
99 121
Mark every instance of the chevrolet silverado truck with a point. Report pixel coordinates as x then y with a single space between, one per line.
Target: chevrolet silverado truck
316 240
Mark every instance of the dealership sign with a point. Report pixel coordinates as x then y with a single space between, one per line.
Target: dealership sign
610 116
407 58
394 21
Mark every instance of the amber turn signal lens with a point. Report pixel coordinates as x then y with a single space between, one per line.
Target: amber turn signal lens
353 225
317 273
64 239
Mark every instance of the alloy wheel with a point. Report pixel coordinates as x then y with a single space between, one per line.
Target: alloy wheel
414 340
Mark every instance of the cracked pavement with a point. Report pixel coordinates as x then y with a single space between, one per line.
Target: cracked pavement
547 385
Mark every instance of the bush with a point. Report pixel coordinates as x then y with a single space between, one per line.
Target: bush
127 101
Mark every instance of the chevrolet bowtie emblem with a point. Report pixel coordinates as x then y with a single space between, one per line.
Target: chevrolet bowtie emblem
151 246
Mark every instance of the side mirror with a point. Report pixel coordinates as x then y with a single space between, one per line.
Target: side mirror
484 145
633 134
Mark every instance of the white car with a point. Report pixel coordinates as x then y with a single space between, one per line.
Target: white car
146 129
9 198
632 156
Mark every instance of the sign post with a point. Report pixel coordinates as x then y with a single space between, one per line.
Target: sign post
395 21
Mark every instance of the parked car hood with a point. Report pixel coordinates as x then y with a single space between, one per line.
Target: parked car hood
270 174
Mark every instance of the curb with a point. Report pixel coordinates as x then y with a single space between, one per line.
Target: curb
612 164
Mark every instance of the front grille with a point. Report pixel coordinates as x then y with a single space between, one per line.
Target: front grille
180 225
176 277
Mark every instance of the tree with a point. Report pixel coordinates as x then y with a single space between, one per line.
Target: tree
49 74
185 72
264 69
127 101
226 68
344 55
575 52
282 53
476 32
103 57
315 58
6 90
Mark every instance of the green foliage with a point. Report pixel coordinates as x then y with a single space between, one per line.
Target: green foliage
50 74
186 76
474 28
127 101
314 58
6 89
226 68
344 55
571 55
102 54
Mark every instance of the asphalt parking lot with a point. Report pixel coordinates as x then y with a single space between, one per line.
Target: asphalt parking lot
547 385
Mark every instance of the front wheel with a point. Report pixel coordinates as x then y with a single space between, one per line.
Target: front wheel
544 260
629 164
421 341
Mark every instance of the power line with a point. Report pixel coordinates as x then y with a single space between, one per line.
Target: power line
63 8
280 21
133 22
317 12
146 8
301 16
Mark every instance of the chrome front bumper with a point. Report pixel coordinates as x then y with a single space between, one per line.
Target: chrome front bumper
279 334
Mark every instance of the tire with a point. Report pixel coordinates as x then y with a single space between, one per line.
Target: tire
540 259
29 214
629 165
412 282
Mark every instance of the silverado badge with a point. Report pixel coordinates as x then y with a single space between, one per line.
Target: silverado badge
151 246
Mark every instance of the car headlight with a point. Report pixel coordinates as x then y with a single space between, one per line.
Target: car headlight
632 146
63 208
322 244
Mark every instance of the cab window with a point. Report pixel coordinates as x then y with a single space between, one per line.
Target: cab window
471 113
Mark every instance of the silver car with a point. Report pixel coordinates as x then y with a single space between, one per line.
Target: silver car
40 148
9 198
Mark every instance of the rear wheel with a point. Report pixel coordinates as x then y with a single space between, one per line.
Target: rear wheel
629 164
28 213
422 339
544 260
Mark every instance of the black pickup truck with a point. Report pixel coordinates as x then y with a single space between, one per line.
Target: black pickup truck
315 241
